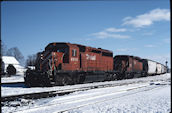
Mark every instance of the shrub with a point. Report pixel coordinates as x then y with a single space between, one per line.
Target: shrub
11 70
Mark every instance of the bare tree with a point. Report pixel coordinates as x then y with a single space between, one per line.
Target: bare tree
3 49
15 52
31 60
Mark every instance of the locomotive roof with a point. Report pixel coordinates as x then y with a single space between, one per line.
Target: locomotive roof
127 56
100 49
58 43
136 57
69 44
151 60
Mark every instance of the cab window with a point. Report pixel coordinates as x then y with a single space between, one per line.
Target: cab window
74 52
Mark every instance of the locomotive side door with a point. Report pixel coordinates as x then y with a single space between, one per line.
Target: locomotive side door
74 58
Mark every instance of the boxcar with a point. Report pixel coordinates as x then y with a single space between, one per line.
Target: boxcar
152 65
158 68
163 69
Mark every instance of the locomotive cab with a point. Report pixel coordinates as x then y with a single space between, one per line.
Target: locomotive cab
58 56
121 63
54 62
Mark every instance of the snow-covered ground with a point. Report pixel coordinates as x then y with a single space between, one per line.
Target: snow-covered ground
21 89
145 95
13 78
152 101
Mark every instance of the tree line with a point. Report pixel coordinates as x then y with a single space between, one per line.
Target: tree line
15 52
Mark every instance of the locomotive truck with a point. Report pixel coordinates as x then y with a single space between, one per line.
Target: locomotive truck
66 63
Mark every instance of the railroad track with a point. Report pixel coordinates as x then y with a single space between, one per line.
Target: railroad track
11 83
53 93
50 93
73 101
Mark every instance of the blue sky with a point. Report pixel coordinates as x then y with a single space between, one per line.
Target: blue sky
140 28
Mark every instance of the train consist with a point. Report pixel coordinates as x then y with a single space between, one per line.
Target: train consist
66 63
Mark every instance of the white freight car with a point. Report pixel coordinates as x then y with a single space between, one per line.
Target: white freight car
159 68
151 67
164 69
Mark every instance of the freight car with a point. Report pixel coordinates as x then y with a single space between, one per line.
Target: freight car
66 63
164 69
151 67
154 68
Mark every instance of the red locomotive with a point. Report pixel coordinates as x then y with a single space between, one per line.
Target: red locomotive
65 63
129 66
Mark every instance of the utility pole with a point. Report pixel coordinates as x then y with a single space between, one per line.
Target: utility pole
167 66
166 63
